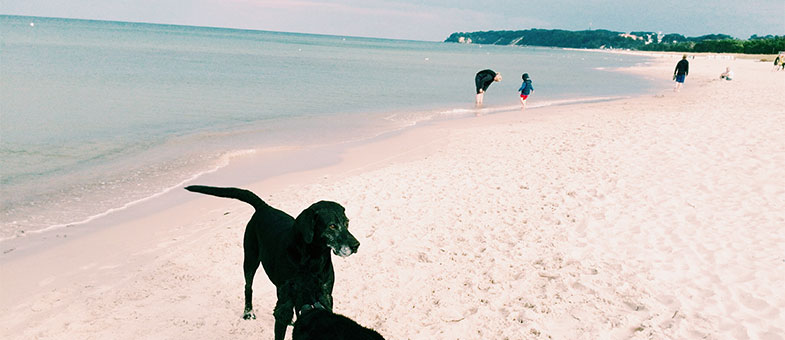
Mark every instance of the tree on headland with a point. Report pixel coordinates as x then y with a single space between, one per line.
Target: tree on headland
646 41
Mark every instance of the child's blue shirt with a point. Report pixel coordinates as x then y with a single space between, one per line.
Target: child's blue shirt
526 87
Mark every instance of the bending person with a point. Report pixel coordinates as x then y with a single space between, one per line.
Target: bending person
482 80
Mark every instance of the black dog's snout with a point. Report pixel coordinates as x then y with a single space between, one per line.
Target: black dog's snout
354 244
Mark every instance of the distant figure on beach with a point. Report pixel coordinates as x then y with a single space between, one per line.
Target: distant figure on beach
727 75
482 80
779 63
525 89
681 71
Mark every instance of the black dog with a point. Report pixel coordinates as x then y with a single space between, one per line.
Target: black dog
286 246
320 324
314 321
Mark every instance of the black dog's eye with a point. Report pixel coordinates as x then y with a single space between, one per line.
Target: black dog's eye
333 226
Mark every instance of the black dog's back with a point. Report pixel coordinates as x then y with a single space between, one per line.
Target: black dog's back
266 235
319 324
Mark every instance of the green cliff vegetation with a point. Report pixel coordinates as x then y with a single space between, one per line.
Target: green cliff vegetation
644 41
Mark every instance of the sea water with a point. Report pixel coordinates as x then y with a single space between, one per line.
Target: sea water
95 115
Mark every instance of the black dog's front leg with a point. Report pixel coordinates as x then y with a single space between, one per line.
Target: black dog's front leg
326 300
326 297
283 313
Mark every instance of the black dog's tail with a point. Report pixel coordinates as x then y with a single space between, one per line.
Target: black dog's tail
240 194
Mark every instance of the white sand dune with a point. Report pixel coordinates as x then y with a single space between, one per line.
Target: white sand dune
660 217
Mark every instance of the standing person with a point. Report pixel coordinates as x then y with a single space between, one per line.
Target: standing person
482 80
525 90
681 71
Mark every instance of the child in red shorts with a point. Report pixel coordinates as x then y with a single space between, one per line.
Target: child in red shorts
525 90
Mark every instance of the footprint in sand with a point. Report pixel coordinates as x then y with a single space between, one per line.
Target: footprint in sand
88 266
46 281
752 302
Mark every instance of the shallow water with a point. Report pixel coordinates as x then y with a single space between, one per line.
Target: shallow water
96 115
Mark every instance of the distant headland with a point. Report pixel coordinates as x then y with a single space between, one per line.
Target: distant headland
643 41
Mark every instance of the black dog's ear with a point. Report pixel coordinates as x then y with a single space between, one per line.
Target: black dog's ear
304 224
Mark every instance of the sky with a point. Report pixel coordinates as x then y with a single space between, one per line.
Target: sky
429 20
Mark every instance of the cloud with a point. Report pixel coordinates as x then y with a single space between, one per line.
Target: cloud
367 18
360 9
434 20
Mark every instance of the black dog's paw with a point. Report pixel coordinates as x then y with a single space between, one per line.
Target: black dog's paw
249 314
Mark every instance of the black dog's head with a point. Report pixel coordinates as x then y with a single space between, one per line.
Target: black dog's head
326 222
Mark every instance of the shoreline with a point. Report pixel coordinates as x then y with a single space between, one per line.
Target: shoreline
708 55
236 167
565 221
276 153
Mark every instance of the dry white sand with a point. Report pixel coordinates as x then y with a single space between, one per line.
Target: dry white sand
660 217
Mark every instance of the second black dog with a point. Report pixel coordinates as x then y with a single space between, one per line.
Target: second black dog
314 321
321 324
286 246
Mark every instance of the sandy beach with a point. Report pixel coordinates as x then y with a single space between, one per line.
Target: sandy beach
655 217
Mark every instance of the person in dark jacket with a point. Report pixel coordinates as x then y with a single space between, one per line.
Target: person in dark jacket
525 89
482 80
681 71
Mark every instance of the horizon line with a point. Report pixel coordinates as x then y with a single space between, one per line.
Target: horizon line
215 27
